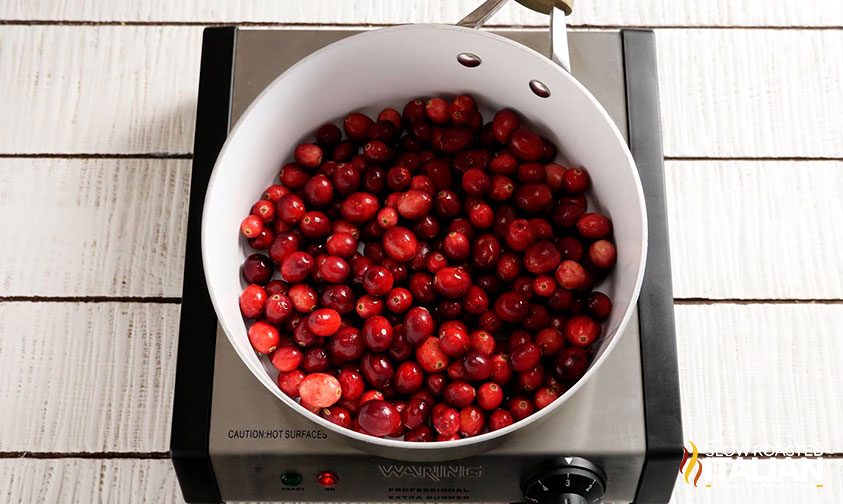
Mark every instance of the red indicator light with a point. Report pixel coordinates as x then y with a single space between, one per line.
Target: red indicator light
327 479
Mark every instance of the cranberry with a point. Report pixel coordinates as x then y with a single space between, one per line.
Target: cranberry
264 209
598 305
447 204
308 155
544 396
399 300
531 379
476 302
422 434
525 356
472 421
315 360
594 226
570 248
504 124
482 342
351 383
414 204
290 382
274 192
341 245
253 301
320 390
377 280
409 378
478 366
435 384
602 254
333 269
356 126
571 275
278 308
520 407
369 306
379 418
511 307
435 262
533 198
436 109
453 338
263 240
251 226
581 330
501 188
501 369
430 356
446 421
286 358
452 282
576 181
454 139
392 116
263 337
476 183
324 322
499 419
377 333
377 369
481 215
315 225
418 325
421 286
338 297
543 257
489 396
303 298
359 207
571 364
416 413
297 266
400 243
509 266
337 415
456 246
526 145
550 341
544 285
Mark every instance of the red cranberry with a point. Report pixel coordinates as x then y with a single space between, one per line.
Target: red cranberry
453 338
303 298
481 215
435 384
501 188
472 421
550 341
602 254
263 240
581 330
571 275
357 126
499 419
421 286
377 333
511 307
263 337
447 204
525 357
400 350
531 379
264 209
324 322
422 434
475 182
509 266
320 390
544 285
435 262
293 177
570 248
446 421
319 191
337 415
308 155
594 226
449 309
359 207
456 246
377 280
416 413
598 305
520 407
501 369
351 383
400 243
504 124
533 197
452 282
347 344
542 257
436 109
571 364
297 266
526 145
315 360
253 301
489 396
251 226
369 306
476 301
278 308
418 325
519 235
409 378
341 245
430 355
376 369
482 342
544 396
391 115
290 382
274 192
576 181
378 418
454 139
371 395
414 204
478 366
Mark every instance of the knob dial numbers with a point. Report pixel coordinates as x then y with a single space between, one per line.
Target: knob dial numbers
565 481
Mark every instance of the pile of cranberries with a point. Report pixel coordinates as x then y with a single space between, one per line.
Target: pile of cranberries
428 276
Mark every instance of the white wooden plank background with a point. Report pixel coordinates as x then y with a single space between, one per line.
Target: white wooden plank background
751 374
725 93
93 227
591 12
153 481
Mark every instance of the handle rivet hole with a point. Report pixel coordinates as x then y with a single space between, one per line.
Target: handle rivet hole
468 59
539 88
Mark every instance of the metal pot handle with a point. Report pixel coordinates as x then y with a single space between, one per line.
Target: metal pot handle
558 30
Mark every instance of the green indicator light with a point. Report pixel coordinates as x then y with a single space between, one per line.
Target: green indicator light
291 479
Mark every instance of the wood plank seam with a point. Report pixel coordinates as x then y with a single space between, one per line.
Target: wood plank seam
85 455
91 299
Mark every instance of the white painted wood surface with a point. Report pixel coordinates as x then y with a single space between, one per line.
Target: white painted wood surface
725 93
120 481
86 377
93 227
756 230
591 12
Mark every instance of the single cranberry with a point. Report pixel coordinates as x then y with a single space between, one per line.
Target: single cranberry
501 188
503 164
571 275
504 124
377 369
531 379
435 384
571 364
409 378
576 181
476 182
293 177
278 308
387 217
251 226
319 191
472 421
263 337
392 116
324 322
476 302
274 192
320 390
499 419
371 395
416 413
453 338
448 204
550 341
328 135
525 357
430 356
369 306
283 245
303 298
333 269
533 198
435 262
399 300
356 126
315 360
339 297
418 325
436 110
463 104
347 344
303 336
581 330
520 407
374 179
519 235
489 396
290 209
489 321
517 338
446 421
265 210
315 225
509 266
526 145
482 342
481 215
377 333
359 207
452 282
454 139
598 305
511 307
570 248
253 301
501 369
351 382
427 227
414 204
341 245
456 371
346 179
374 250
462 225
377 151
456 246
263 240
421 286
400 243
378 418
308 155
377 280
544 285
422 434
337 415
531 173
602 254
297 266
290 382
478 366
544 396
542 257
594 226
449 309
